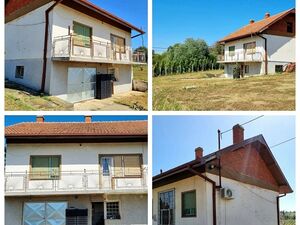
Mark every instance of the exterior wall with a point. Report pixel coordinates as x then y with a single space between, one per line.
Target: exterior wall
254 69
251 205
24 44
133 208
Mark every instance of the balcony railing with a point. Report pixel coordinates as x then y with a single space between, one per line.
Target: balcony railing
241 56
21 183
64 47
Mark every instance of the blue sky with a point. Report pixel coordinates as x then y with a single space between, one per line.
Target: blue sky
133 11
10 120
176 20
176 137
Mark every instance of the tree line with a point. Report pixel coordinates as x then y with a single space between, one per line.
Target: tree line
191 56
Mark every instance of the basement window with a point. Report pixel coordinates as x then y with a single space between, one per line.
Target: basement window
19 72
278 68
112 210
188 202
289 27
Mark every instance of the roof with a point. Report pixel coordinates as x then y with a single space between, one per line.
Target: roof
182 171
49 129
256 27
17 8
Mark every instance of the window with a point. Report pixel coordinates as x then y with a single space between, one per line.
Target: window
188 200
278 68
19 72
166 207
289 27
82 34
45 167
112 210
250 48
117 44
246 69
115 73
231 50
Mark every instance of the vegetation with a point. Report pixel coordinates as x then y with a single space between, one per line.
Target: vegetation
287 218
142 49
137 102
205 91
191 56
140 72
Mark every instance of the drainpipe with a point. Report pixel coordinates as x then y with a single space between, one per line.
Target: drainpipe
213 192
219 156
46 43
266 54
278 208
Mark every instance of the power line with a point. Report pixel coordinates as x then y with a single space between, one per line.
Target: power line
159 48
283 142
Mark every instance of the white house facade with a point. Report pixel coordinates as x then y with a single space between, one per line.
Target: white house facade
73 43
94 180
263 47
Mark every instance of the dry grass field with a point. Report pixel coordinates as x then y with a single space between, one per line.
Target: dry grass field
207 91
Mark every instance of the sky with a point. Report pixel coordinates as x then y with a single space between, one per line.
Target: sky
176 137
132 11
10 120
176 20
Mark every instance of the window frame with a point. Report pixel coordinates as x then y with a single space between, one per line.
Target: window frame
290 25
182 202
76 35
106 210
112 44
246 70
250 51
19 75
174 204
231 52
32 177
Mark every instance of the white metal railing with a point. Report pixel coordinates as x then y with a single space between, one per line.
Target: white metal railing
241 56
73 181
64 47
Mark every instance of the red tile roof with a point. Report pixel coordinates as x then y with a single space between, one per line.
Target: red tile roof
256 27
124 128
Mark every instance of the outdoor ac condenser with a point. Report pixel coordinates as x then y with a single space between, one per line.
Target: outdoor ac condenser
227 193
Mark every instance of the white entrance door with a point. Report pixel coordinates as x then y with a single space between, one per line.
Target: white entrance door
44 213
81 84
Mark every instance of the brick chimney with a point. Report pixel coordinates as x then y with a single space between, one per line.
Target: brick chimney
40 119
238 134
251 21
198 153
88 119
267 15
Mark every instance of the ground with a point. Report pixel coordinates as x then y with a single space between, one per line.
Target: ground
140 72
208 91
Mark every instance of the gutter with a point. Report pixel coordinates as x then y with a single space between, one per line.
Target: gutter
213 192
266 53
278 208
47 12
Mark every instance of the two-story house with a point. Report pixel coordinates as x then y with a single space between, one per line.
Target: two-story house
263 47
239 184
58 47
87 173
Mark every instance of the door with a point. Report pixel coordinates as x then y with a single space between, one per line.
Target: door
106 171
97 213
44 213
166 207
81 84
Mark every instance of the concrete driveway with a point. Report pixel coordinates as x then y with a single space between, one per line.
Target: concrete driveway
107 104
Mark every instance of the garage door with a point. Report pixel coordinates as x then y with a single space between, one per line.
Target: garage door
44 213
81 84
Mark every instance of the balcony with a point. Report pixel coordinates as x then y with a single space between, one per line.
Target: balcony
74 182
241 56
64 49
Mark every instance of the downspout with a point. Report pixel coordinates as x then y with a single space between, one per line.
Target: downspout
266 53
213 192
219 156
46 44
278 208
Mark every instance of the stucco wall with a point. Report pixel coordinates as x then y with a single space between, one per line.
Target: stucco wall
251 205
133 208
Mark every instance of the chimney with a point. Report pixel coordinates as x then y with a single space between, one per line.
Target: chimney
267 15
252 21
40 119
88 119
238 134
198 153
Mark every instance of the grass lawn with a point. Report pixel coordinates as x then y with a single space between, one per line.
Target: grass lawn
137 102
205 91
140 72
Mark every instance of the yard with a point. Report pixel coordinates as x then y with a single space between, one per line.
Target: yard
207 91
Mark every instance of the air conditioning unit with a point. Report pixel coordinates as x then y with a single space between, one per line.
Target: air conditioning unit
227 193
